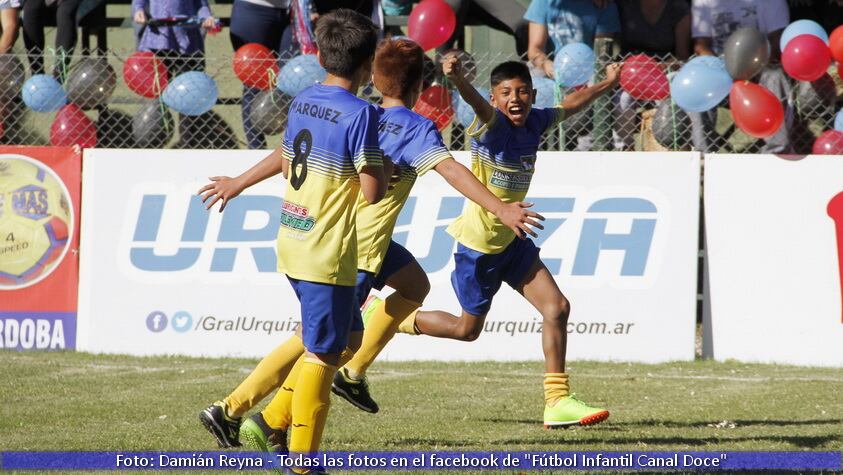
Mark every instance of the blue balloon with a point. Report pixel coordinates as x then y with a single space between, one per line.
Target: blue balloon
546 91
698 87
42 93
838 121
802 27
709 61
574 64
464 112
299 73
191 93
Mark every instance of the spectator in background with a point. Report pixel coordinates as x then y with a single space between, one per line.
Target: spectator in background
182 48
567 21
564 22
8 24
660 29
264 22
35 14
502 15
712 21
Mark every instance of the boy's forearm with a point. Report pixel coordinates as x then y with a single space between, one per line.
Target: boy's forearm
461 178
480 104
273 164
578 100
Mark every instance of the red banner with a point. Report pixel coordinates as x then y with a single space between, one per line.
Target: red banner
39 246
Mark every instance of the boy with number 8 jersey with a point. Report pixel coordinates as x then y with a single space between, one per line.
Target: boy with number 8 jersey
330 155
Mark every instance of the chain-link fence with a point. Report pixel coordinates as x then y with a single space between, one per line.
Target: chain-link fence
145 101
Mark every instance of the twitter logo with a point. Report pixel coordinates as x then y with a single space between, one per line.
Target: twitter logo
181 322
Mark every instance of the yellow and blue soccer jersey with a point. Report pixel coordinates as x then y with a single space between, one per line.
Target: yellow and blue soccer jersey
414 145
331 135
503 158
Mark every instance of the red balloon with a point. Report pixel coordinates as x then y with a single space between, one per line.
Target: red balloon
835 44
145 74
435 104
829 142
806 58
643 78
252 64
756 110
72 127
431 23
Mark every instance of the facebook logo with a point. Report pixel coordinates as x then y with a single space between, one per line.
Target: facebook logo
156 321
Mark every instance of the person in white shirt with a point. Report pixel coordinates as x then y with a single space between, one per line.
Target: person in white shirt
712 22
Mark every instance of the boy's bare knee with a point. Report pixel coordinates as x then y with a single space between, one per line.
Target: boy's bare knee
417 293
557 310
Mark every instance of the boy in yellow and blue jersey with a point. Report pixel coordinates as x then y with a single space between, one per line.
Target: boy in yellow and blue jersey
330 156
415 147
505 139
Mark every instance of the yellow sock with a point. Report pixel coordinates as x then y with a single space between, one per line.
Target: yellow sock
382 326
555 387
311 401
266 376
278 414
408 325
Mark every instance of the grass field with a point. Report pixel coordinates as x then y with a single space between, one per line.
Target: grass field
74 401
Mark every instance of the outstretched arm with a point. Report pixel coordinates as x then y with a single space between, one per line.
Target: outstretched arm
514 215
579 100
452 67
224 188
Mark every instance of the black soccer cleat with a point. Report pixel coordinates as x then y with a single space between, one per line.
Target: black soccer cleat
355 392
225 429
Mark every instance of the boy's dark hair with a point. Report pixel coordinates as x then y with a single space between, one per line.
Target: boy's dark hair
511 70
346 41
398 67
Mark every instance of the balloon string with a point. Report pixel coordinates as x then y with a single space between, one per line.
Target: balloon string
58 56
156 85
673 120
273 78
165 117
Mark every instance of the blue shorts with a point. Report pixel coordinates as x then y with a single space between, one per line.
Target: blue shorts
397 256
327 315
477 277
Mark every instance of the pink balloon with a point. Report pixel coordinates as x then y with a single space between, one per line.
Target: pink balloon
829 142
72 127
643 78
806 58
431 23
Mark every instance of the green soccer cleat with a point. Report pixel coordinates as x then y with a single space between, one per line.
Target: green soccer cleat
224 428
368 308
570 411
355 392
257 434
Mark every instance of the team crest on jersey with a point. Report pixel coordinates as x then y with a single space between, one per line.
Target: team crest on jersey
528 163
296 217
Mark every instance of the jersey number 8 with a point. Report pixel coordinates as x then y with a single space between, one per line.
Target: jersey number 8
297 176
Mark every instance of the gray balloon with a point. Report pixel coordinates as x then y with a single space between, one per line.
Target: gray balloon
153 125
671 126
12 76
90 83
269 112
746 53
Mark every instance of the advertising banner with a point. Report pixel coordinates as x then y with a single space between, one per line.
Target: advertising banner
774 237
161 275
39 241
